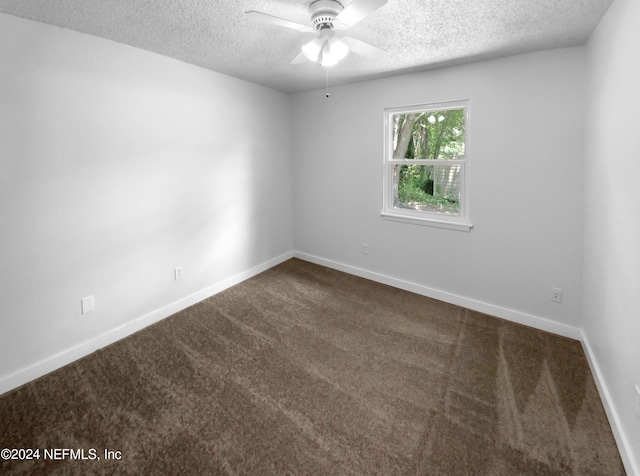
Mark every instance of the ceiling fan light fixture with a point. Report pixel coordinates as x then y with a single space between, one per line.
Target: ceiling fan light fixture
312 49
326 58
339 48
327 50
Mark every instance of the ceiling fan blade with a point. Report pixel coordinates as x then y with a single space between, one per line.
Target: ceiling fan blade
362 48
299 59
356 11
266 18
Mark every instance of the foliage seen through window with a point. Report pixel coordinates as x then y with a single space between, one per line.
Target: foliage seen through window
436 136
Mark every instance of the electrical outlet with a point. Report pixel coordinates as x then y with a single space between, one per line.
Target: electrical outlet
556 294
88 304
365 248
178 273
637 406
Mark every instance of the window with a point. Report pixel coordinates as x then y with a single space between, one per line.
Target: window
425 164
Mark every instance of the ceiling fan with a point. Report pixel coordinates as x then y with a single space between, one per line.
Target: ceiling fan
327 16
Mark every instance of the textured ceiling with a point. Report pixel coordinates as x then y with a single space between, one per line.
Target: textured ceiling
418 34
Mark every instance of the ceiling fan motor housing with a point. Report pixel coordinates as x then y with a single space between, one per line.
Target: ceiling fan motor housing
323 12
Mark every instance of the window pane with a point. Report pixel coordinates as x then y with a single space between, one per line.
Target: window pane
435 135
430 188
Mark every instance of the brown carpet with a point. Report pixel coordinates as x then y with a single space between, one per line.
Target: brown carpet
306 370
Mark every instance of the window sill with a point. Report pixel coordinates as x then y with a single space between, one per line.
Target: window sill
446 224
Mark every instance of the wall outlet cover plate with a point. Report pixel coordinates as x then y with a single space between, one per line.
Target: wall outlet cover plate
88 304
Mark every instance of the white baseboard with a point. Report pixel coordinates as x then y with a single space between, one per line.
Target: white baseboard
56 361
631 466
473 304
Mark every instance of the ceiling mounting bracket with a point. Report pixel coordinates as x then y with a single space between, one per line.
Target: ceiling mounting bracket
324 12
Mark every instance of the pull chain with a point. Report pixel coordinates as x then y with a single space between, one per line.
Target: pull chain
327 71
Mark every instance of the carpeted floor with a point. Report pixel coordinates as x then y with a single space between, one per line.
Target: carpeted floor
306 370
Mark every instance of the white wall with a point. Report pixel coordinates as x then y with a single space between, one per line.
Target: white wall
612 213
525 166
116 165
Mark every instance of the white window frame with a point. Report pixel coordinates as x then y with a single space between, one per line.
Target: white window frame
460 222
